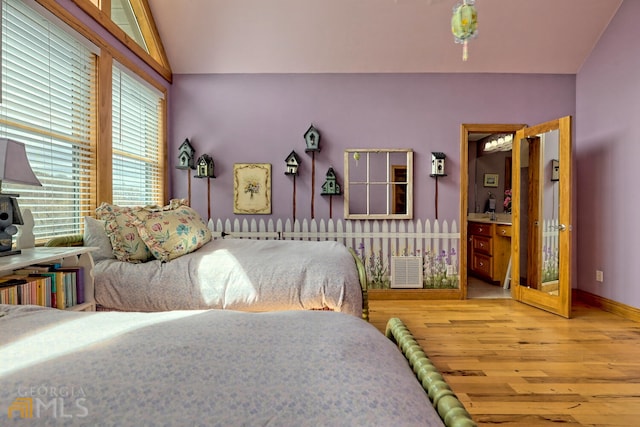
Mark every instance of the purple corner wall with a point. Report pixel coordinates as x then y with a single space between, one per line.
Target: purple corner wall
607 149
260 118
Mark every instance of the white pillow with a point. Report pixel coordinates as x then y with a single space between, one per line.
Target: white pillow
96 235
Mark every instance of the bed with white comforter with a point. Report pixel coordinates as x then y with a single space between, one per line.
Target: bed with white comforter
209 368
235 274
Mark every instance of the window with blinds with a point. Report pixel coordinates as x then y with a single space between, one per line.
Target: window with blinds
48 103
138 152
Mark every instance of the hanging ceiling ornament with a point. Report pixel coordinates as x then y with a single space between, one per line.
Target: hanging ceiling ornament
464 24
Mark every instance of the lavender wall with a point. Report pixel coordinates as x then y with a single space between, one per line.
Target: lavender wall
607 150
261 118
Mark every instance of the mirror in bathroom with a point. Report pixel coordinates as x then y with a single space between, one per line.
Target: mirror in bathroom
378 183
483 162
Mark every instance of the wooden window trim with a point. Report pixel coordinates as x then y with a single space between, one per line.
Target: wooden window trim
156 58
107 55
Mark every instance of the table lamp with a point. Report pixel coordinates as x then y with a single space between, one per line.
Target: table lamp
15 168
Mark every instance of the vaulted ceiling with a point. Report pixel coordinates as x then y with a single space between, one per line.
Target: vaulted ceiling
377 36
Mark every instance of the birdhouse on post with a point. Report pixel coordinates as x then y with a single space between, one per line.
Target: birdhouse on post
205 167
293 162
331 186
437 164
186 156
312 139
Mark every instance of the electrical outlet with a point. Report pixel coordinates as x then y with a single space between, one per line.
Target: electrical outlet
599 276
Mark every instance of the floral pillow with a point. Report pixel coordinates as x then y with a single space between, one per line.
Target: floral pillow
172 233
123 233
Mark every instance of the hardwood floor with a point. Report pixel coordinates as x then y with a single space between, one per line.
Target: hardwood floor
511 364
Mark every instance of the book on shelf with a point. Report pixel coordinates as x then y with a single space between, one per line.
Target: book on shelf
77 279
9 291
51 265
54 286
32 269
21 285
47 284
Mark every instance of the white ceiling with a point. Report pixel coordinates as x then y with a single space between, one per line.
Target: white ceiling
377 36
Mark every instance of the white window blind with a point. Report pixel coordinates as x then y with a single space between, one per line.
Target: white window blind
48 90
138 152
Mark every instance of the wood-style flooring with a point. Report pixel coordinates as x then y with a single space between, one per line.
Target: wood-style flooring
511 364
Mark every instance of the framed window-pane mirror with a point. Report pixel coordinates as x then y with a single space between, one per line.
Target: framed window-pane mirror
379 183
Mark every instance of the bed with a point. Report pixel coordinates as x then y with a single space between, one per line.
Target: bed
249 275
215 368
235 274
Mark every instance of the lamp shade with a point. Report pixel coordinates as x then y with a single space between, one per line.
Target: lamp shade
14 164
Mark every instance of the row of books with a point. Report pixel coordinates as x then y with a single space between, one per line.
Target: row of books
48 285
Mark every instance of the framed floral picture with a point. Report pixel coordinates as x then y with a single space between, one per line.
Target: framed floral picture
252 188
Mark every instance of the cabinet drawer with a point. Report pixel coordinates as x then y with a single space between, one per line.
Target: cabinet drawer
482 245
480 229
503 230
481 264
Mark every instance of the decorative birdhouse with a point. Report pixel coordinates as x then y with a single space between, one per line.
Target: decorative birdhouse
205 167
331 186
437 164
293 161
312 139
185 156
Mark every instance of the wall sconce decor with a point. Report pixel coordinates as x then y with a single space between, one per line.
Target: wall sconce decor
14 167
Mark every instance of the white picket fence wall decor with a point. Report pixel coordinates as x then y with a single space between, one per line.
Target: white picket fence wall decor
374 241
550 261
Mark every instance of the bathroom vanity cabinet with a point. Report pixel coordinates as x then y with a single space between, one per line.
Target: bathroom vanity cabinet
489 250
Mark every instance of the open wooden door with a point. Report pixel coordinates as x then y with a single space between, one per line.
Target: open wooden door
541 216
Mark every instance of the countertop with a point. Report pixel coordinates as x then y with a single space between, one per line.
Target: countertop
501 218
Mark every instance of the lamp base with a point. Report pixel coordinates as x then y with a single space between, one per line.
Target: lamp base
7 253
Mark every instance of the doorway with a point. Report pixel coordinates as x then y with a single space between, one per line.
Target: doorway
540 274
478 182
489 164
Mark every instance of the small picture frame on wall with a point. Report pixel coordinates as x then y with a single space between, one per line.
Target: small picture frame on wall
252 188
491 179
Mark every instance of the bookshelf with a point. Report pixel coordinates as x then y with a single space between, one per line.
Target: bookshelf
68 257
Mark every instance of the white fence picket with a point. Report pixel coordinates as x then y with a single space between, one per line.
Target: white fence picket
386 238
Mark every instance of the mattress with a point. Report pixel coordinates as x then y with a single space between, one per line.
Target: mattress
210 368
247 275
